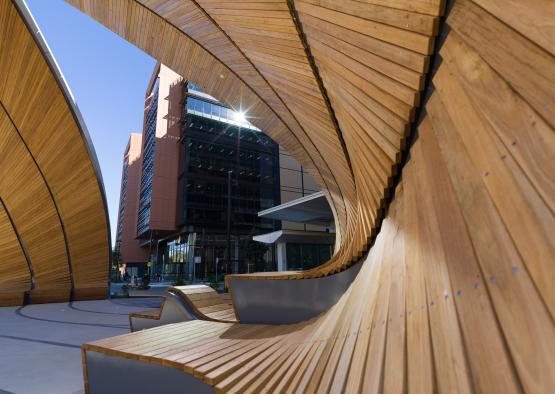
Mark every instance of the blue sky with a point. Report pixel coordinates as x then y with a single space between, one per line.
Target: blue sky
108 78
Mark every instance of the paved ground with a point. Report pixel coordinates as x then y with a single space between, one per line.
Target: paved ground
158 288
40 344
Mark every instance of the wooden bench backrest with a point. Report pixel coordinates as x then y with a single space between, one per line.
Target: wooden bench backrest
207 302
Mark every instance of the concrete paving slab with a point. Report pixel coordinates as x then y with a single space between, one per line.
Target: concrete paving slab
40 344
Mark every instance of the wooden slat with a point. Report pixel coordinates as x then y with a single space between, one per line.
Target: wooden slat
15 276
48 181
206 302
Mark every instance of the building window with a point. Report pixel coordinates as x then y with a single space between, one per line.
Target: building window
123 195
306 256
145 191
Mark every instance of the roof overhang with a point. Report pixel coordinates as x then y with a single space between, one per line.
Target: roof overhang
296 236
313 208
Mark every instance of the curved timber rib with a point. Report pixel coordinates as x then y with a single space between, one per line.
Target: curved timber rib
49 179
186 303
207 302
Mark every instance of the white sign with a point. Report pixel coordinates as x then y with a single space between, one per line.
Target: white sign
198 259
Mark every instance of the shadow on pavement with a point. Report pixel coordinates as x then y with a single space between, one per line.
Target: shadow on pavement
38 341
21 314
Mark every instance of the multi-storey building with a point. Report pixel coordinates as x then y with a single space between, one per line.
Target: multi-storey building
132 255
306 237
191 144
192 149
217 143
156 216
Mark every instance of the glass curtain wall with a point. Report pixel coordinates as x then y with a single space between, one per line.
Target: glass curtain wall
306 256
123 195
143 220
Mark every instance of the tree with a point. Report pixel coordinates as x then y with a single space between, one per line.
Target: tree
254 252
116 260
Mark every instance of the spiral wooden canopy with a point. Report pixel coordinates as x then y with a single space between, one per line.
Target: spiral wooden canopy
456 295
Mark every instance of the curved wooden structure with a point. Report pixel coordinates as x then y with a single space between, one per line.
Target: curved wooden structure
53 220
456 294
186 303
339 97
207 302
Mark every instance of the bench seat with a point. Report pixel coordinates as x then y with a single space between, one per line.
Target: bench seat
184 303
207 302
230 357
150 314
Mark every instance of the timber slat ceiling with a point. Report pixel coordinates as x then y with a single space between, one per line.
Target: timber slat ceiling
456 294
296 67
48 184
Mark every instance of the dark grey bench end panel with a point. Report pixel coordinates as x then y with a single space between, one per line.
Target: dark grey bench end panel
274 301
110 374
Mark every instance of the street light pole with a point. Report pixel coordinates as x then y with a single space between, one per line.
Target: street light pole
228 253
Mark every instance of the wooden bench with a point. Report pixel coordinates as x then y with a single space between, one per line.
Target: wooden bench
326 353
207 302
186 303
379 337
150 314
322 354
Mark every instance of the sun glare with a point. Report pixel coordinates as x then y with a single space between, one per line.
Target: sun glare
239 117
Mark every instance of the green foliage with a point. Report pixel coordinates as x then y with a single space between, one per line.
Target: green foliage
116 256
116 261
213 282
254 252
146 282
179 281
125 290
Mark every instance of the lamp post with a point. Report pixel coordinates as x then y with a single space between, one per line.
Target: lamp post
228 233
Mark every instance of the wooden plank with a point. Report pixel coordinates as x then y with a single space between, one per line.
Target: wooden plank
405 39
511 117
483 337
533 19
525 66
419 23
15 276
500 260
507 186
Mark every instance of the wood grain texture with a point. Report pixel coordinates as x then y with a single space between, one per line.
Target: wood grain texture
456 294
15 276
47 178
207 302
